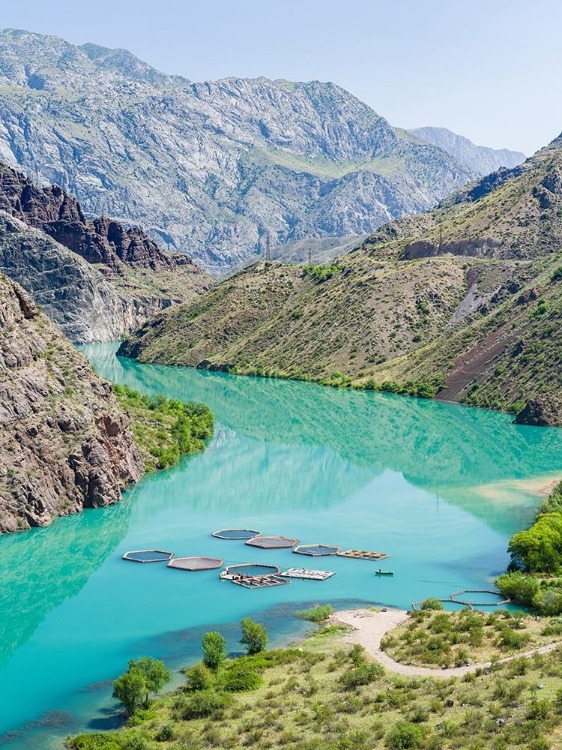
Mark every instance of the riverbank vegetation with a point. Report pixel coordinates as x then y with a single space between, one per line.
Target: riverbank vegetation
326 695
165 428
535 576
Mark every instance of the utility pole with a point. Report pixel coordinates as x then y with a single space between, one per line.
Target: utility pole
267 248
309 256
440 238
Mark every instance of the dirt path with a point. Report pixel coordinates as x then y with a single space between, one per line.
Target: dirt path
369 628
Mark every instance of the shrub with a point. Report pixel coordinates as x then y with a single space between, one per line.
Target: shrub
164 733
241 677
203 704
95 741
432 603
405 735
199 677
362 674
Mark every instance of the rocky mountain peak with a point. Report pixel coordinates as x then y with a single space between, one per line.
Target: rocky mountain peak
216 168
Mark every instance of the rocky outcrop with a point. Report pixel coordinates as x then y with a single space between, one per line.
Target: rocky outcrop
64 443
71 292
543 411
95 279
211 168
60 216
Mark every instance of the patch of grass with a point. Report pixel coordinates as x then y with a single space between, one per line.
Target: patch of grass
317 614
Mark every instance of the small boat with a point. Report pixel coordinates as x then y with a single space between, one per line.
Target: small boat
380 572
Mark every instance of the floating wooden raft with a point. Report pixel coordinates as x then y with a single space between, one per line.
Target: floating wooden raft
195 563
272 542
236 533
316 550
313 575
259 582
148 555
361 554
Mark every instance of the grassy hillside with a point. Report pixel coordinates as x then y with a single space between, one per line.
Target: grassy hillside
327 695
465 300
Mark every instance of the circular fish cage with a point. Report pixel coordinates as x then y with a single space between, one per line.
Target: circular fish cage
249 569
272 542
195 563
148 555
501 598
236 534
316 550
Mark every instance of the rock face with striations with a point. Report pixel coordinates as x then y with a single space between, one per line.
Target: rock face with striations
95 279
211 168
542 411
64 443
61 216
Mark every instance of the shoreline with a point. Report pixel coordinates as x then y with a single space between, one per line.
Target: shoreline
369 627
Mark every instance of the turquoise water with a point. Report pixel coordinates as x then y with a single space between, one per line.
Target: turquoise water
438 486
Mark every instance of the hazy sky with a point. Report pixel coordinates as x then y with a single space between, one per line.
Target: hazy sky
488 69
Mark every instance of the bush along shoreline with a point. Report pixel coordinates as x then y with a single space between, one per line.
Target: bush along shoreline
165 428
534 577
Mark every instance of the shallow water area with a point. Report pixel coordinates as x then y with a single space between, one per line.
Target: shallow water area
358 470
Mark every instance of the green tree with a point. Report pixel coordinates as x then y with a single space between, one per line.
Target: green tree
254 636
214 650
130 690
539 549
154 673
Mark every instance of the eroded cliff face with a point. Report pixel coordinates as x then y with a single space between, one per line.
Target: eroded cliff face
64 443
59 215
96 279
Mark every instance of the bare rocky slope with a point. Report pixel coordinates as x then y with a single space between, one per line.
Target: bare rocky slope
464 301
95 279
211 168
64 443
480 159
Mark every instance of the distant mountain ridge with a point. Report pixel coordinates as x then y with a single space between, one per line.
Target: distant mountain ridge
479 159
212 169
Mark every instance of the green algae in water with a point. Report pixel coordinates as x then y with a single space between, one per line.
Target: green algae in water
438 486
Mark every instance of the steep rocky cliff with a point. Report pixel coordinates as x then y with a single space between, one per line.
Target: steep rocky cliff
211 168
64 443
96 279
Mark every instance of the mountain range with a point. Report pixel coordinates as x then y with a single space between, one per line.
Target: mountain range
221 169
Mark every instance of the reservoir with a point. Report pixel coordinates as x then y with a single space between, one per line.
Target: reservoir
440 487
